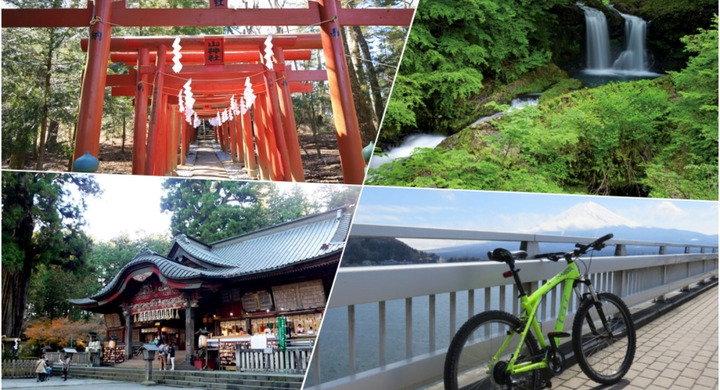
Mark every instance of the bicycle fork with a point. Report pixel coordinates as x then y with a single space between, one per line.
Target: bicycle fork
591 294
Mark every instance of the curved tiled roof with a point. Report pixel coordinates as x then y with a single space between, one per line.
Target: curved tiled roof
265 250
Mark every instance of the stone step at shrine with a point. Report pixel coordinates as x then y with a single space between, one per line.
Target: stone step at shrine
215 69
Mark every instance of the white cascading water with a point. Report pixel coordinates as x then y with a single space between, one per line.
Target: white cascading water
633 57
597 37
631 62
407 148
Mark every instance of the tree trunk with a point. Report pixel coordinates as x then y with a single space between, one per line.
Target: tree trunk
377 99
122 148
16 277
46 104
368 129
18 155
52 136
15 288
314 116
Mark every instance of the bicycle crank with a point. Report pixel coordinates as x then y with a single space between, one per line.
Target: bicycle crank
556 359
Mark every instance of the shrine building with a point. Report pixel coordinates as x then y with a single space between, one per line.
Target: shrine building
226 291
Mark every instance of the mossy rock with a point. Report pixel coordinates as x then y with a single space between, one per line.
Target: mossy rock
473 139
535 81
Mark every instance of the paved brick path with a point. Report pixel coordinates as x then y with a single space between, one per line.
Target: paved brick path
676 351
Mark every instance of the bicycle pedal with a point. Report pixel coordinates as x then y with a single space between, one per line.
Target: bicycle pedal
558 334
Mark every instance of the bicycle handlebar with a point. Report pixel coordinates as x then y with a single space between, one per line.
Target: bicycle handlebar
580 249
597 244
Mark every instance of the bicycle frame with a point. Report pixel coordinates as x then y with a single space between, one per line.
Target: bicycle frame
530 304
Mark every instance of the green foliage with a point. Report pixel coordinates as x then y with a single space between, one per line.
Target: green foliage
687 166
601 139
457 169
453 48
108 257
41 229
215 210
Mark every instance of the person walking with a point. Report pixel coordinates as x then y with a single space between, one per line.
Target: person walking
171 354
66 366
40 369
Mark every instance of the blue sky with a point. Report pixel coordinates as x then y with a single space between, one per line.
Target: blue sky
517 212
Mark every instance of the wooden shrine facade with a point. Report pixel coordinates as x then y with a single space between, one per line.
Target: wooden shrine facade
246 282
270 123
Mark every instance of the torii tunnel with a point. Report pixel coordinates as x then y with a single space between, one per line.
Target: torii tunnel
219 67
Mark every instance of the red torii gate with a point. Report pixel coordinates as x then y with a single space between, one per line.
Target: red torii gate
281 148
101 15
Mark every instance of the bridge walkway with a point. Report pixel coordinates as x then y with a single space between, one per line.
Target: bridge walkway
676 351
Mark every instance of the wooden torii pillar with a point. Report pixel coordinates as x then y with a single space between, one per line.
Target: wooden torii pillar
347 127
290 127
152 163
93 87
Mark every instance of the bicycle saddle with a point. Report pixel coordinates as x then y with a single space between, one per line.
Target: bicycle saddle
505 256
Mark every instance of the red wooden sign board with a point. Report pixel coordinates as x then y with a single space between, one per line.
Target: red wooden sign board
214 50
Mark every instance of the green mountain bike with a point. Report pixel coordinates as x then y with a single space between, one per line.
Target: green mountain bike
497 350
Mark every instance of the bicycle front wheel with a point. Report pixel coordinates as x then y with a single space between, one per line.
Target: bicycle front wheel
479 353
604 348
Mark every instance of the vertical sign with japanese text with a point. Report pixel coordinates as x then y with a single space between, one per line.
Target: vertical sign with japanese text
214 48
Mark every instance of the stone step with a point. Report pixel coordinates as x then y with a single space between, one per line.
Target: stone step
228 380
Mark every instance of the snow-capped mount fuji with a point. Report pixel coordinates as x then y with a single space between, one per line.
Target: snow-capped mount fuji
583 217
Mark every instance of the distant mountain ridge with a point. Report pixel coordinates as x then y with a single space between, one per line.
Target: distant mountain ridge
588 220
381 251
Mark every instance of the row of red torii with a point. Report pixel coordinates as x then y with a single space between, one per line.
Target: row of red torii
240 82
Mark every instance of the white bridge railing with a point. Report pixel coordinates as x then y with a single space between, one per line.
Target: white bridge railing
437 298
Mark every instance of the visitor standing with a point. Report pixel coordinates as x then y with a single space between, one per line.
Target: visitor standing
40 368
161 355
171 354
66 366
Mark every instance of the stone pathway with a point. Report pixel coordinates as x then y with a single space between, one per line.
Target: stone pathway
56 383
676 351
205 160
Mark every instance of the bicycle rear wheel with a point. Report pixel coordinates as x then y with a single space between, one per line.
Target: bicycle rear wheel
469 362
604 357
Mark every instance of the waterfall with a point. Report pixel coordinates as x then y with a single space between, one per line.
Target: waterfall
631 63
407 148
598 39
633 58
